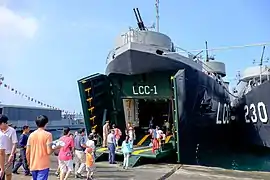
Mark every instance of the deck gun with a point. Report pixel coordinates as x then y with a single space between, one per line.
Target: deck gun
139 19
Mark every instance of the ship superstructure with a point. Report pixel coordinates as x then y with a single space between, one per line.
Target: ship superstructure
148 77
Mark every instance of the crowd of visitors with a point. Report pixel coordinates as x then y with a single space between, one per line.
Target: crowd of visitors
35 150
76 153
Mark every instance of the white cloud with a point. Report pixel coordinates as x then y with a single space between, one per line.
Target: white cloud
15 31
13 25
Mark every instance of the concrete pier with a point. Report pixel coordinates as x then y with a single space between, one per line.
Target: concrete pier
106 171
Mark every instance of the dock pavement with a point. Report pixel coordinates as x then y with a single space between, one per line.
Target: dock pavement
106 171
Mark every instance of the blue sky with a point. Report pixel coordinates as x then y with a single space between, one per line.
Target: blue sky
47 45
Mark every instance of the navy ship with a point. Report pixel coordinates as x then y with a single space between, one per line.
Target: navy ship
251 106
148 77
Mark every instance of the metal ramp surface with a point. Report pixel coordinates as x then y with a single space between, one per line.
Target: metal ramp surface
139 152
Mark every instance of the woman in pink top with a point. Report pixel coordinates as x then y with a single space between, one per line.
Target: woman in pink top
65 155
118 134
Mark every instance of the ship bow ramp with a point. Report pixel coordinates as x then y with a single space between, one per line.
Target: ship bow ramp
202 115
190 102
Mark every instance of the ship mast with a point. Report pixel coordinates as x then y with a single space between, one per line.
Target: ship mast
261 63
157 15
206 51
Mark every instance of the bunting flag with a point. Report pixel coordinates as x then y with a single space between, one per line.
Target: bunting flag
30 98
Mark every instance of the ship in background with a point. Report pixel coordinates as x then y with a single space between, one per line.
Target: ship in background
251 106
20 116
148 76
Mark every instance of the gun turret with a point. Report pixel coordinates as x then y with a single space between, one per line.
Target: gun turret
139 19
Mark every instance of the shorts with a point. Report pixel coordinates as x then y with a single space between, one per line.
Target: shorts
40 174
8 169
65 166
90 169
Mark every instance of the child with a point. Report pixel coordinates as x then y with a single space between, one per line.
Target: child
90 163
90 143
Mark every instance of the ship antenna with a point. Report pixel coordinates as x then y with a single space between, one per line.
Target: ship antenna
157 15
206 50
261 63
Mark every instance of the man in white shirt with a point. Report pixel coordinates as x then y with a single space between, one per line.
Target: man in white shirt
3 145
11 145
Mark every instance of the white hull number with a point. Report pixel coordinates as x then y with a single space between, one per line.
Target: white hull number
144 90
252 112
223 114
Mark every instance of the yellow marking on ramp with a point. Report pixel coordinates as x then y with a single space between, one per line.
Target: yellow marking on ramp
168 139
89 99
92 118
102 149
142 140
141 151
91 109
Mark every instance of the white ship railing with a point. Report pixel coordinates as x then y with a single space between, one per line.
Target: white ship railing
256 81
132 35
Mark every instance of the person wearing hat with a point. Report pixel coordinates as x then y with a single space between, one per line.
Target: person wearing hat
11 145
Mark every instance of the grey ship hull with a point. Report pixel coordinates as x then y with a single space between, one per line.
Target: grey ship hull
136 62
